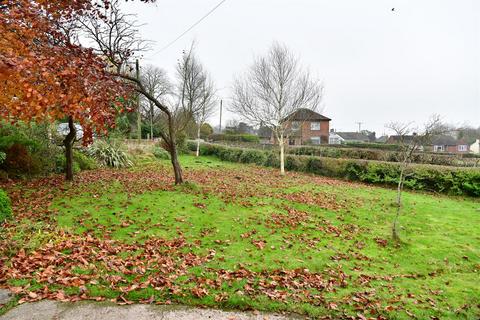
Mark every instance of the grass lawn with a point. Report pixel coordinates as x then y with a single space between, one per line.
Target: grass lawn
241 236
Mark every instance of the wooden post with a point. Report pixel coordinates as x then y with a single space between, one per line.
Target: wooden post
139 114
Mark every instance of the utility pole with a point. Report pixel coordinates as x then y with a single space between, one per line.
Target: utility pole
220 127
359 126
139 114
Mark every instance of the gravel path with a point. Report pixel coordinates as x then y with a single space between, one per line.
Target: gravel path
52 310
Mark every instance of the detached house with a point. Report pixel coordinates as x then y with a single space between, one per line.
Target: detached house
445 143
307 127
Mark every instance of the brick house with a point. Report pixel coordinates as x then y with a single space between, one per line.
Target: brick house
307 127
445 143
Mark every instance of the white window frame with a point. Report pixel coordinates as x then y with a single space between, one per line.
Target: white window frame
314 125
439 148
314 140
295 125
462 148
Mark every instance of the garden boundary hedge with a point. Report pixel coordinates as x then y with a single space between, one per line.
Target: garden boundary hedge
442 179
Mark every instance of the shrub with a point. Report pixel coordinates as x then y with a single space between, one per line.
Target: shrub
81 161
84 161
294 163
160 153
457 181
273 159
5 207
110 154
18 160
3 156
253 156
234 137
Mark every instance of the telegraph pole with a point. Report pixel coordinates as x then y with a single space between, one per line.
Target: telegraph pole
221 105
359 126
139 114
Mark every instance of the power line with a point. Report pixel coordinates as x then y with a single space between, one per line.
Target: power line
191 27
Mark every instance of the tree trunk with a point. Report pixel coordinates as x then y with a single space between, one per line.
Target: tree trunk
395 236
282 154
68 143
177 169
151 121
198 139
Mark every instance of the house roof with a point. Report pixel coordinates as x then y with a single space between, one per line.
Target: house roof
399 139
445 140
353 136
382 139
305 114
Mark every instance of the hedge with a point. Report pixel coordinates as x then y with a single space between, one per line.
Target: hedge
5 207
449 180
383 155
234 137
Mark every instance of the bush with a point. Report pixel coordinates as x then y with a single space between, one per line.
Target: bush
234 137
160 153
253 156
84 161
273 159
18 160
110 154
81 162
5 207
456 181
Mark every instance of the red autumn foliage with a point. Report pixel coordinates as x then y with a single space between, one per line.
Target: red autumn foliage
45 74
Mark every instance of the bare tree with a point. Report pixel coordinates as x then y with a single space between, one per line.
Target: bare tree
117 38
158 85
195 92
410 140
274 88
206 110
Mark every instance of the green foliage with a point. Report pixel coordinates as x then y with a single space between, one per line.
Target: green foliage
84 161
29 149
5 207
457 181
3 156
390 155
160 153
81 161
110 154
234 137
181 142
205 131
253 156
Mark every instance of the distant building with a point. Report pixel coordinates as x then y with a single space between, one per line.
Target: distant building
348 137
475 147
63 130
382 139
447 143
240 128
306 126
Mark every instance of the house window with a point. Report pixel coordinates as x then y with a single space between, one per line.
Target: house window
462 147
334 140
314 125
438 148
315 140
295 125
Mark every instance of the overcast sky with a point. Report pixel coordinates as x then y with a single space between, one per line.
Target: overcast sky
377 65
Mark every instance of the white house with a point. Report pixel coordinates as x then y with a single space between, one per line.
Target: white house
475 147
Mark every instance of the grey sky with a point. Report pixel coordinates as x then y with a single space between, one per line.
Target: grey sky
377 65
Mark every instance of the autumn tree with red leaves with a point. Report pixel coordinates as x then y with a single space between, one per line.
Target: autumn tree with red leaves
46 75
